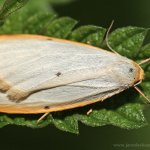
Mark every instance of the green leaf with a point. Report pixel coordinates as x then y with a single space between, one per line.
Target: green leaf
146 88
92 35
68 124
144 52
45 20
129 116
21 22
124 110
10 6
128 40
61 27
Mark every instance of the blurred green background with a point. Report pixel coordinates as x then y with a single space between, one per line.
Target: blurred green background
101 13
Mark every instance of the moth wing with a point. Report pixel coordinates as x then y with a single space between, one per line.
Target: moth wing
39 61
63 97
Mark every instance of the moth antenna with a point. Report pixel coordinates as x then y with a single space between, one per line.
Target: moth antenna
42 117
107 34
144 61
142 93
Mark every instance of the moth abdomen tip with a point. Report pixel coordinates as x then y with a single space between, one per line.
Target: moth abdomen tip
17 95
4 86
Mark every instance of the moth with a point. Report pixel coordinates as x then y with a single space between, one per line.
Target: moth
40 74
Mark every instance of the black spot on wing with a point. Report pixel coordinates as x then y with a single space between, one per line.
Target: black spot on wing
58 74
131 69
46 107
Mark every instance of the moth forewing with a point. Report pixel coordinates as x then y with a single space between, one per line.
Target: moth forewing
59 74
51 100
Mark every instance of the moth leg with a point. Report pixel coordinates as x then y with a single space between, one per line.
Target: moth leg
42 117
17 95
89 111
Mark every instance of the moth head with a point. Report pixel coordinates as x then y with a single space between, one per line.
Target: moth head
140 77
134 75
139 73
129 73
